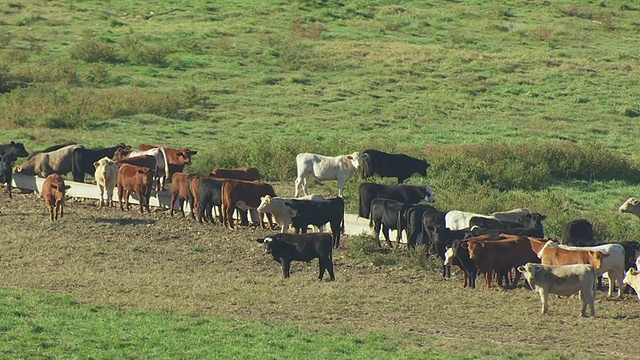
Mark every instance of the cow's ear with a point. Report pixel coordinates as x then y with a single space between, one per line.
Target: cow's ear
260 240
193 152
181 154
13 142
522 269
365 155
96 164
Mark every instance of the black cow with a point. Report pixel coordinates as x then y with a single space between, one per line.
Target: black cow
488 223
15 149
407 194
386 215
462 259
411 222
442 238
430 220
49 149
301 247
209 195
524 231
577 233
318 213
82 159
6 174
392 165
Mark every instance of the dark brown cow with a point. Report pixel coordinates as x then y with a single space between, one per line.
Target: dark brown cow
241 173
177 158
244 195
135 179
53 190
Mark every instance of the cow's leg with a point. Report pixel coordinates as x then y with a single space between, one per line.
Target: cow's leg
376 228
286 267
544 297
140 200
8 177
120 194
174 197
109 196
299 185
101 188
487 279
341 183
61 209
385 232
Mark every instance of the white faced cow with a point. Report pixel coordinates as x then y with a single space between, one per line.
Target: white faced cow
632 205
340 168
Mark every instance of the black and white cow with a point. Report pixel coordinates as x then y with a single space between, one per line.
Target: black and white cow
392 165
83 159
286 248
404 193
318 213
385 216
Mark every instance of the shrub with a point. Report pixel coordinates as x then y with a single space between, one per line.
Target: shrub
92 51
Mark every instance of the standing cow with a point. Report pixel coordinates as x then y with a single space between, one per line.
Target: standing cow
134 179
341 168
8 154
392 165
53 192
106 175
46 163
286 248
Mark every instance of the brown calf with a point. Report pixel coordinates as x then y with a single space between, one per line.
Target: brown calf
135 179
244 195
53 190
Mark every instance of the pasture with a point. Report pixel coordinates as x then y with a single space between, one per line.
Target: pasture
514 104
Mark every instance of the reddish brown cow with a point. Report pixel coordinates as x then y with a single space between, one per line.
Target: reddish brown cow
177 158
179 191
554 255
53 190
244 195
135 179
241 173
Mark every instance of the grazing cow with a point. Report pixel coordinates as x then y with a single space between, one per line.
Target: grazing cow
632 206
135 179
46 163
241 173
49 149
6 175
244 195
613 263
318 213
106 175
385 216
176 158
341 168
14 148
178 191
563 280
282 213
161 172
286 248
53 190
207 193
411 222
392 165
632 278
408 194
577 232
82 160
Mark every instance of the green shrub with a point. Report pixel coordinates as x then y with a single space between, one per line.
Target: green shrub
92 51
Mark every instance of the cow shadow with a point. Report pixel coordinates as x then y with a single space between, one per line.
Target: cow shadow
121 221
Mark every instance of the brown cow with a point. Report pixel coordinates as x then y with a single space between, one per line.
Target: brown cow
148 161
244 195
53 190
46 163
136 179
179 191
177 158
551 254
241 173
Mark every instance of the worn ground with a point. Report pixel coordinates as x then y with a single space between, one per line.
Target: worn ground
158 263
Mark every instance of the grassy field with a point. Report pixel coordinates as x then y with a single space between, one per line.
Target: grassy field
514 103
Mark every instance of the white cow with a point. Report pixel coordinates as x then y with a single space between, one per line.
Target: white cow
106 176
563 280
162 164
515 215
459 220
613 260
632 278
280 211
632 205
340 168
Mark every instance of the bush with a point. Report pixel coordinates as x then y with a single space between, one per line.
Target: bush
92 51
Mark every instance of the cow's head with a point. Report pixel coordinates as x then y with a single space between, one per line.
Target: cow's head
449 255
597 258
529 271
103 162
264 202
357 158
184 156
429 194
267 242
121 153
632 205
475 247
18 149
423 167
629 275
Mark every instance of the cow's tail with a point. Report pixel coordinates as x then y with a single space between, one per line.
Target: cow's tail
166 164
401 215
367 171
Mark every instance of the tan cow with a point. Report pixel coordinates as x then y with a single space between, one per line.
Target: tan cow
106 176
53 190
632 206
46 163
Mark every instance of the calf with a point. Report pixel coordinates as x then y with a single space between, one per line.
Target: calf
632 278
6 175
135 179
384 216
207 194
286 248
161 171
563 280
282 213
53 190
319 213
106 175
554 255
244 195
178 191
241 173
411 222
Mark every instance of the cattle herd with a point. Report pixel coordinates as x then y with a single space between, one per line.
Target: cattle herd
502 246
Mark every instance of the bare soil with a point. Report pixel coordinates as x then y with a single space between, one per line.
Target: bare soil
159 263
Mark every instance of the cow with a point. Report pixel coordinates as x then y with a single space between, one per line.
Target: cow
282 213
176 158
341 168
178 191
532 232
403 193
411 222
442 238
286 248
385 216
632 278
53 192
459 220
47 163
554 255
148 161
488 223
241 173
577 232
161 172
207 193
83 159
513 215
563 280
49 149
613 263
458 255
6 174
244 195
15 149
400 166
106 175
135 179
318 213
632 206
